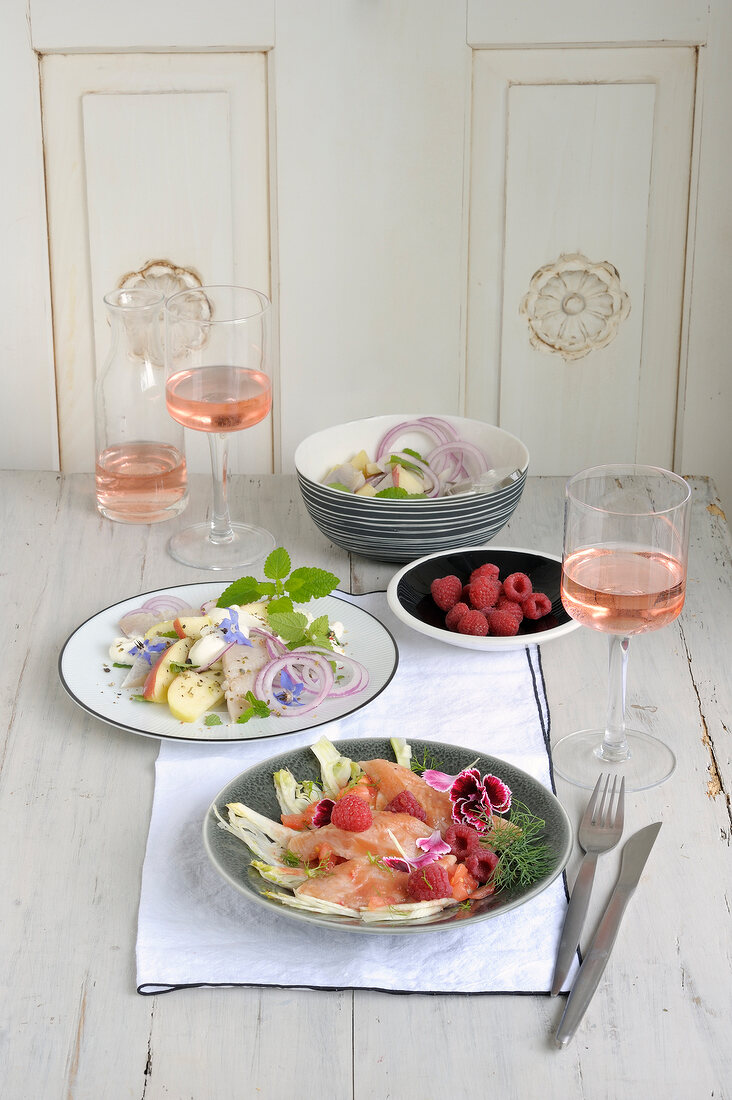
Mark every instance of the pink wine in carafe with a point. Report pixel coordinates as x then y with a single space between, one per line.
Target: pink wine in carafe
141 482
218 399
622 591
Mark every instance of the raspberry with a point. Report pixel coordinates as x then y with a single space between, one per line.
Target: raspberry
473 622
406 803
352 814
465 596
486 570
484 591
446 591
517 586
455 614
482 864
429 883
463 840
503 623
536 606
504 604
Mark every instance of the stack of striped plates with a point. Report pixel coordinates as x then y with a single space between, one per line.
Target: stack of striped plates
402 530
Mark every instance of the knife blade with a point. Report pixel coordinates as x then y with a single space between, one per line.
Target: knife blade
635 854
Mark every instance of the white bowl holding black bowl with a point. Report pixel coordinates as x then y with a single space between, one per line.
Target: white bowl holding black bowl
409 597
402 530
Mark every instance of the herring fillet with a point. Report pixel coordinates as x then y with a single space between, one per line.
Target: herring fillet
241 663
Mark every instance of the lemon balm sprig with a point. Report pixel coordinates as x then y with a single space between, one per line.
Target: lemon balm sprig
284 586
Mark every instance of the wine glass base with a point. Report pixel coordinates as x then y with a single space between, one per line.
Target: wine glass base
194 546
578 758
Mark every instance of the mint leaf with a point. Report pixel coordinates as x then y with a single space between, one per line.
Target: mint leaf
245 590
290 625
414 454
318 633
212 720
398 460
319 626
278 564
280 604
257 708
396 493
339 486
308 583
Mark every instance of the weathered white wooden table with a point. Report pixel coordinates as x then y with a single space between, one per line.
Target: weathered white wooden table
75 798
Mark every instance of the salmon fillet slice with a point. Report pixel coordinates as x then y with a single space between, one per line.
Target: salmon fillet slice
358 883
355 882
391 779
373 841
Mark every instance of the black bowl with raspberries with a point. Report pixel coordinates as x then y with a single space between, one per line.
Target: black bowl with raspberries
483 597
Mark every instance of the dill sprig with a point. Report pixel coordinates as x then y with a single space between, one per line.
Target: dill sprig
519 842
428 762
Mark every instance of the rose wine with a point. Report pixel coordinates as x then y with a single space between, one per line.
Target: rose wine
218 399
141 482
623 591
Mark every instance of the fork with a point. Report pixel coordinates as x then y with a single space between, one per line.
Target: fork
600 830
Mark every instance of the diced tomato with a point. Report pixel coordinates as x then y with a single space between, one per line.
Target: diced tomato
325 857
299 821
364 787
462 882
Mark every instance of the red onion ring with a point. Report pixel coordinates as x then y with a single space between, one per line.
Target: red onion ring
166 603
136 623
464 450
388 439
273 645
266 676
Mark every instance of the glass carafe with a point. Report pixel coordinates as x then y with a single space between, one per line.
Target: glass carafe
140 450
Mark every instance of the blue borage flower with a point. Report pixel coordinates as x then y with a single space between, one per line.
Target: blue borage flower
229 627
290 691
147 648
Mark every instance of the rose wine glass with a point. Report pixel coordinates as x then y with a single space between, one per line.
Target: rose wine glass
626 538
217 381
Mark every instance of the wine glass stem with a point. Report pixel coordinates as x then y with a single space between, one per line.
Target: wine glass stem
221 530
614 745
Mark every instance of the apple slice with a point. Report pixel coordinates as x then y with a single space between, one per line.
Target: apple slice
190 626
405 479
161 676
166 627
192 693
360 461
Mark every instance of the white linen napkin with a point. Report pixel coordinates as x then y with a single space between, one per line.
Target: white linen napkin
195 929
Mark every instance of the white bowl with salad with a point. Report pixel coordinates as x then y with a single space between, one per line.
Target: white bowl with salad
399 486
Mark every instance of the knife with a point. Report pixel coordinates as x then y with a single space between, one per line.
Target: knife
635 854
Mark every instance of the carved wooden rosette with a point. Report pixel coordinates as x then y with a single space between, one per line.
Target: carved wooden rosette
574 306
167 278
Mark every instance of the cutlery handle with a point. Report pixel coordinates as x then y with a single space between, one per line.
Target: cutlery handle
592 968
574 920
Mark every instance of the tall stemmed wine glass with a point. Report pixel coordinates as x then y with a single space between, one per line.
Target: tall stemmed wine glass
626 538
217 341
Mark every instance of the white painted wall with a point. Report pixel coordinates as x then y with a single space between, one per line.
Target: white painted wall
417 162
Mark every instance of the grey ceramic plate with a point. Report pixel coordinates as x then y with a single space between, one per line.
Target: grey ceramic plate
254 787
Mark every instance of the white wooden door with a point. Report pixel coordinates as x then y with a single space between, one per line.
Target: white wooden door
407 179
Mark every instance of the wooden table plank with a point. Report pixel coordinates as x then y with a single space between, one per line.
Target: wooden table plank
75 798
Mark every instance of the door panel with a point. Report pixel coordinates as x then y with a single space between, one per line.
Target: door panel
580 153
150 158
